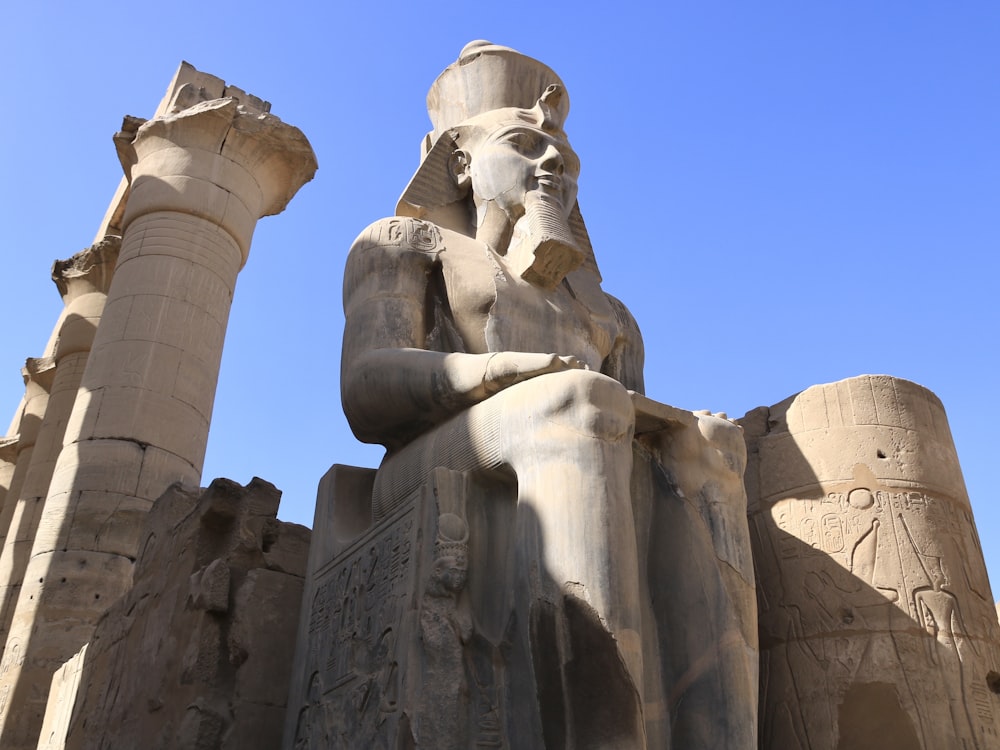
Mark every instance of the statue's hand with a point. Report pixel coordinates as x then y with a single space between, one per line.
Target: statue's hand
504 369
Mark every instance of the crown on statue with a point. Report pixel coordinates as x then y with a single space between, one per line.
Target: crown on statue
487 77
452 537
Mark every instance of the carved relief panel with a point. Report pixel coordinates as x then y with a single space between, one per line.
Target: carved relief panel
391 655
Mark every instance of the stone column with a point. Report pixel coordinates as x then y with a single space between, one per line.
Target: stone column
38 374
877 624
200 180
8 460
83 284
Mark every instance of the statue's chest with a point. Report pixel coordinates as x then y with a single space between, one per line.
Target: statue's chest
494 311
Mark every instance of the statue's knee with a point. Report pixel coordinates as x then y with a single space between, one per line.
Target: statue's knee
589 403
727 438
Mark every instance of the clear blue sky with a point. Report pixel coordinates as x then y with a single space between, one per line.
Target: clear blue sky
784 193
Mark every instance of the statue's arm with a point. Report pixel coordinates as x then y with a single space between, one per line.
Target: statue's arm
391 386
627 357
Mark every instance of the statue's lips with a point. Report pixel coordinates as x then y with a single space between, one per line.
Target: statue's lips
551 188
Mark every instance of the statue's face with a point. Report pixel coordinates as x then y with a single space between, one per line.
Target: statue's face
451 573
518 158
456 577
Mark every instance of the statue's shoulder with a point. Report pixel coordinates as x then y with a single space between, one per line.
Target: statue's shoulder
627 358
399 235
626 321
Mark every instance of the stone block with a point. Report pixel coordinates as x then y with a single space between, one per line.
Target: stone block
258 636
106 522
77 465
144 417
198 652
175 323
62 700
137 364
160 469
195 384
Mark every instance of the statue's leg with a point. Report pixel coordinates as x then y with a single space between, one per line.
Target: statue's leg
699 561
568 438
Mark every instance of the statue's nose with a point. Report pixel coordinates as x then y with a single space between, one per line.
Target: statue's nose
551 161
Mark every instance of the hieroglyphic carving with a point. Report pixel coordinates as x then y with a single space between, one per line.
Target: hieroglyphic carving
399 231
884 554
394 657
358 602
874 599
896 541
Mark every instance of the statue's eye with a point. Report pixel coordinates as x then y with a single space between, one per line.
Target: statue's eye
525 142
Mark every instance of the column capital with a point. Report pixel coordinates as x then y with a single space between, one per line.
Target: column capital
217 160
88 271
39 372
8 449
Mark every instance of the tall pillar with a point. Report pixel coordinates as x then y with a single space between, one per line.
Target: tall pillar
200 180
38 374
83 284
877 624
8 460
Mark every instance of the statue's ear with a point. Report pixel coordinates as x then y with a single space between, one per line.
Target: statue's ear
459 165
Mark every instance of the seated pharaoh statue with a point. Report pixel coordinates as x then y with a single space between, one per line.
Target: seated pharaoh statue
598 579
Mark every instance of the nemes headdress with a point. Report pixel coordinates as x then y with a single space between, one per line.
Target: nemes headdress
486 77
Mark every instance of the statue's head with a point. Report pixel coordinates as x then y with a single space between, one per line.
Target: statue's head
501 157
449 575
451 556
498 153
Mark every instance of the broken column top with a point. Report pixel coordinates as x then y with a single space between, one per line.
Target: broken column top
188 87
90 270
896 428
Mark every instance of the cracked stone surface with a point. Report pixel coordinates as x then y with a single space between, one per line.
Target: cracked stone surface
198 653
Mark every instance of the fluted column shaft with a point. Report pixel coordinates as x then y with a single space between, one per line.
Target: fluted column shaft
200 179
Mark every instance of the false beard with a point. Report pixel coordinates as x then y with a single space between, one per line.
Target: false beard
543 250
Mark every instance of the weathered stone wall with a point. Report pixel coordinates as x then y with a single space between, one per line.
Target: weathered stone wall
198 653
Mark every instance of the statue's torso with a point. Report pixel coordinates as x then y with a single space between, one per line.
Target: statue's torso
492 310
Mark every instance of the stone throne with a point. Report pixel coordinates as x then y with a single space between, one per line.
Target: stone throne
546 557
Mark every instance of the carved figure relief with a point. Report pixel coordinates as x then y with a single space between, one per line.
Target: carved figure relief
445 629
356 607
878 554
